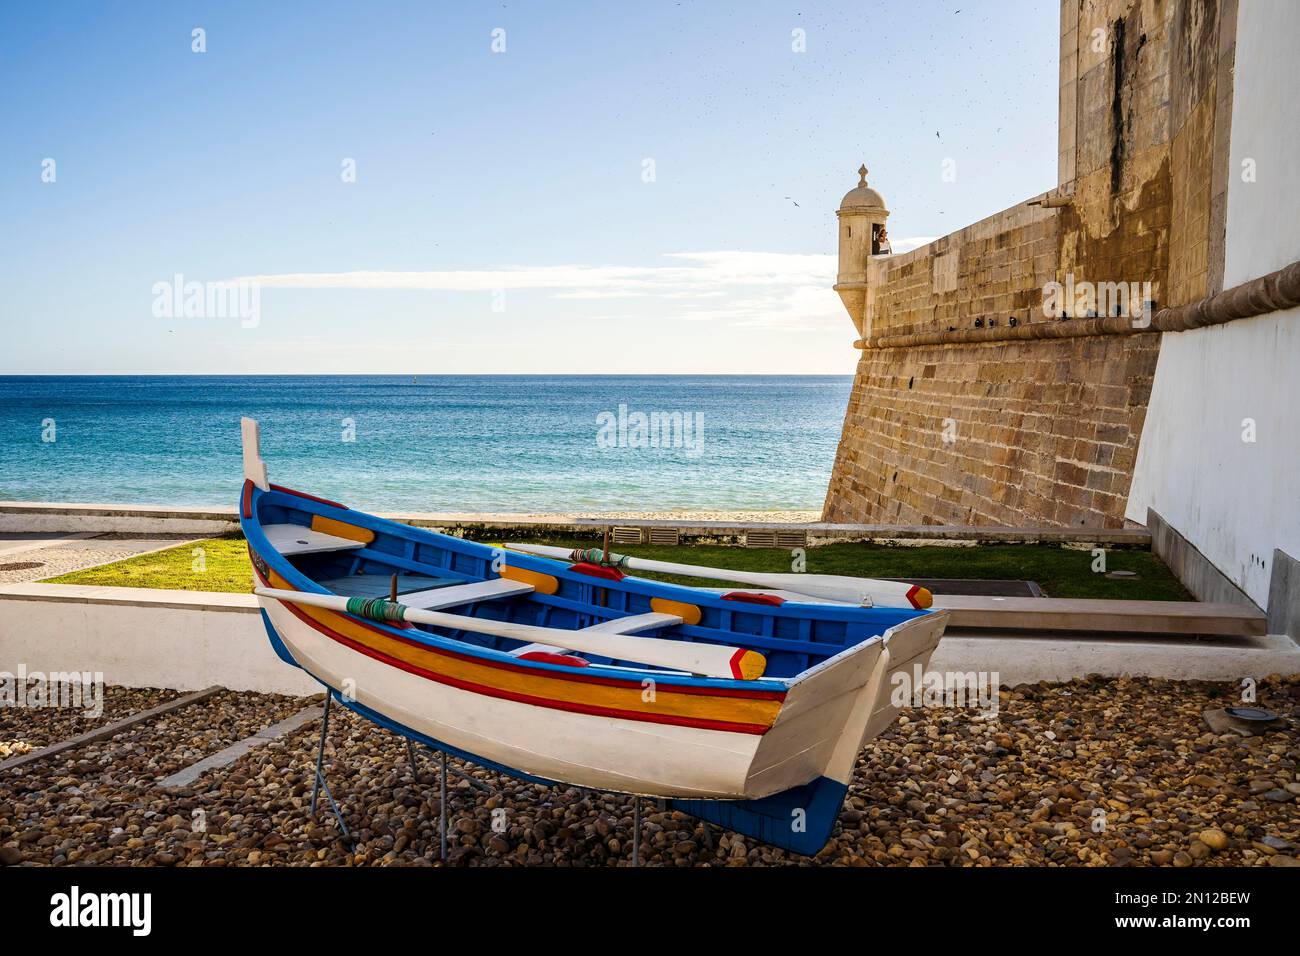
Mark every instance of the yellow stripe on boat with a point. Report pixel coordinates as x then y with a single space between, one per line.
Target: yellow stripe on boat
689 613
664 702
341 529
542 583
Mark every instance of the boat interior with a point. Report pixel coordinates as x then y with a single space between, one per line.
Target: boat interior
354 554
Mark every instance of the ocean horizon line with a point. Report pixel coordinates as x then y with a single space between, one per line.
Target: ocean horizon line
426 374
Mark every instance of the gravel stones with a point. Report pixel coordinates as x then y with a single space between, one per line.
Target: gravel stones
1094 772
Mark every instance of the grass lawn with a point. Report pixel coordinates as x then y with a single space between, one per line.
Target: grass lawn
221 566
1060 572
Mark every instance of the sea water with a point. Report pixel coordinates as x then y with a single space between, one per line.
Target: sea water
429 443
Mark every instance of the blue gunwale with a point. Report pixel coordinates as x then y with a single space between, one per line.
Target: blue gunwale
872 621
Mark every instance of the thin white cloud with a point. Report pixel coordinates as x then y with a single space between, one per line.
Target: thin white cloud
692 270
462 280
760 290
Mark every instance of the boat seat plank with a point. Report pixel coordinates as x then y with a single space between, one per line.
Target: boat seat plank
297 539
437 598
634 623
631 624
380 585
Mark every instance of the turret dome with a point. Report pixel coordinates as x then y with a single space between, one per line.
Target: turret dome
862 196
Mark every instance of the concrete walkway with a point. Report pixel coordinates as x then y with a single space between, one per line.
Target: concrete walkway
12 543
60 553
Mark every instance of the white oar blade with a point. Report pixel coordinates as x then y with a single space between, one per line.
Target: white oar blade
831 587
711 660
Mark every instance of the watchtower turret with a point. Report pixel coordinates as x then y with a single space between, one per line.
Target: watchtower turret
862 216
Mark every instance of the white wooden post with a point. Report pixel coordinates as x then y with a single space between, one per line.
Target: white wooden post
254 467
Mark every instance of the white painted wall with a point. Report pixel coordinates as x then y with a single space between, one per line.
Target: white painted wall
1264 216
185 640
188 640
1237 501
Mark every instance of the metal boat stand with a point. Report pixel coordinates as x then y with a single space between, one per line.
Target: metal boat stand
320 783
443 771
636 831
660 804
442 796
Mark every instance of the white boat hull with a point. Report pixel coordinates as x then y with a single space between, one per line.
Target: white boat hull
622 755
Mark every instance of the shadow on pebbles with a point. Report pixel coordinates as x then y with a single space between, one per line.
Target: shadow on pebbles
1095 772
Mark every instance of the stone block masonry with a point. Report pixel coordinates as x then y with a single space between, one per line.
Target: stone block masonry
997 433
971 403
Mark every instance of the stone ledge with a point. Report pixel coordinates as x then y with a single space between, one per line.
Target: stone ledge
111 510
1274 292
1137 537
1028 659
821 531
131 597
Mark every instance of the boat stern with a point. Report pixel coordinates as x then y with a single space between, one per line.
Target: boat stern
829 714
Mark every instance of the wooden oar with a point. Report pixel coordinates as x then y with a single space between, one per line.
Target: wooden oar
832 587
711 660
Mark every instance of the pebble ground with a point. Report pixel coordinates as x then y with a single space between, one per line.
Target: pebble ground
1089 773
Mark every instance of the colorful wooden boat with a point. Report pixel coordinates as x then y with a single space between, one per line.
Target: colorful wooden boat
744 708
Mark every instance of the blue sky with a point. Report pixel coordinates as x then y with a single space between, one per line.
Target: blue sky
500 219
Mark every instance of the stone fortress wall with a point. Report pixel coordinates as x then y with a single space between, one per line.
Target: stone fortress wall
970 405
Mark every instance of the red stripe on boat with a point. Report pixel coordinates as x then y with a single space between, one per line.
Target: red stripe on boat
248 497
572 707
598 571
735 663
579 678
303 494
749 597
546 657
911 595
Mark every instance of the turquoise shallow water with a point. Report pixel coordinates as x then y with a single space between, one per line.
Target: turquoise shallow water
438 443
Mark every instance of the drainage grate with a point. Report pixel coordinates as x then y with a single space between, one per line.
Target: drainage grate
776 539
665 536
22 565
626 536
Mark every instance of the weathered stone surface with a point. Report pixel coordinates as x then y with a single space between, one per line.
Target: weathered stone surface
1045 430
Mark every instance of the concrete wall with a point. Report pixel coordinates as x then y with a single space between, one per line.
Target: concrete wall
1237 500
186 640
64 518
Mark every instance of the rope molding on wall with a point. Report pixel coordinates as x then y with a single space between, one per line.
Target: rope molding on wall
1270 293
